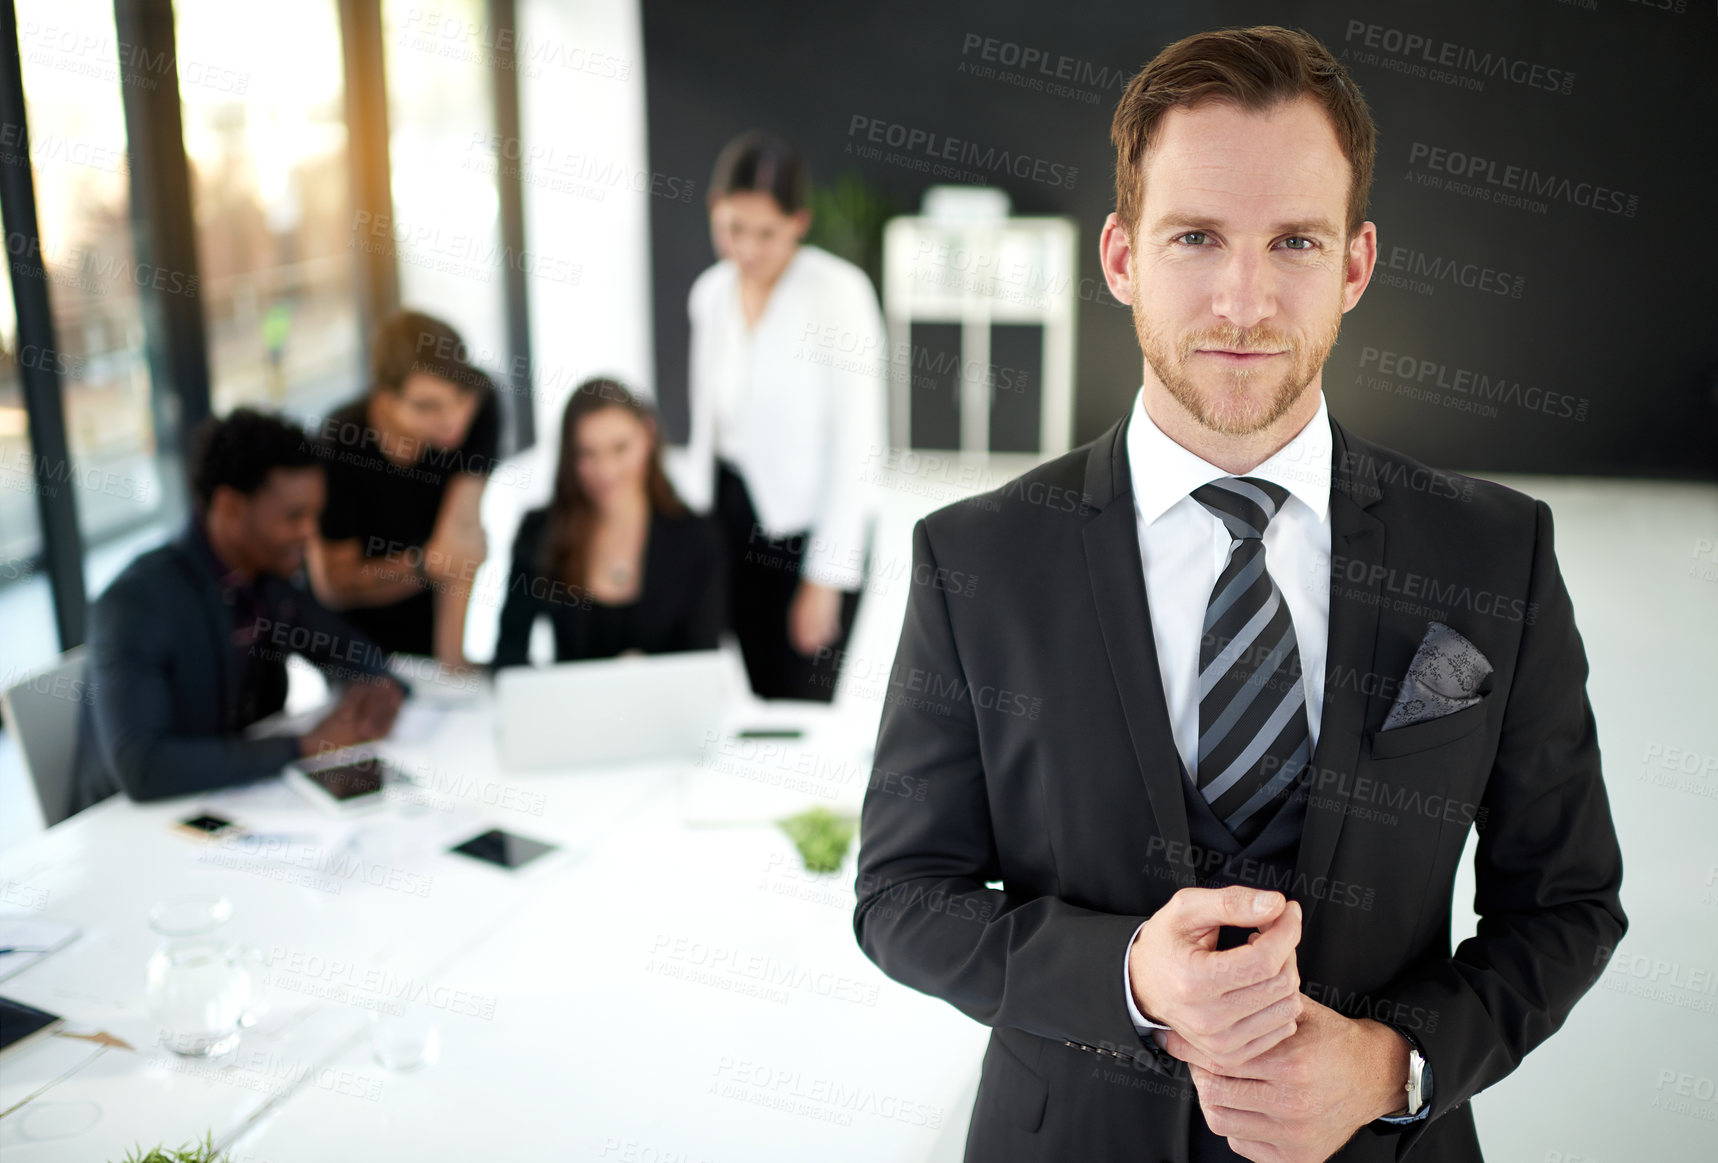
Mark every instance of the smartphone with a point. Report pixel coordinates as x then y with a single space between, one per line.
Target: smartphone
205 826
503 849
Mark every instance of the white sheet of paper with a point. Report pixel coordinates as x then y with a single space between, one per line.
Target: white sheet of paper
31 933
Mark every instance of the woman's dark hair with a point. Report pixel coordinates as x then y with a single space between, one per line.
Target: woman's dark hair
571 514
761 162
240 450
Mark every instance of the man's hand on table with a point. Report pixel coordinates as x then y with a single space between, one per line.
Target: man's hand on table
364 713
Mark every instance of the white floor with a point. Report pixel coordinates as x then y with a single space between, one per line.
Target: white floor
1631 1076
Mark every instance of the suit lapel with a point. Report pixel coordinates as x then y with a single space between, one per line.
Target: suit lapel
1118 591
1356 549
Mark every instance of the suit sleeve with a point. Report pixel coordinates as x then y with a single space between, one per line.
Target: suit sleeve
924 913
134 678
1548 869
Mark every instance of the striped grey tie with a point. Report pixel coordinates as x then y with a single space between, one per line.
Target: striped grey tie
1253 739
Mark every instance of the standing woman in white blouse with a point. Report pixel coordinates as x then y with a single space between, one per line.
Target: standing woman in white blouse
785 379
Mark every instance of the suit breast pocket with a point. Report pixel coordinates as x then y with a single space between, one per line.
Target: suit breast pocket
1432 733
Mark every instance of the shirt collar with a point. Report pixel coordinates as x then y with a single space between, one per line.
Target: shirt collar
229 579
1164 473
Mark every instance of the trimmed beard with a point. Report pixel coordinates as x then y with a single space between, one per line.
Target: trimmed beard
1245 401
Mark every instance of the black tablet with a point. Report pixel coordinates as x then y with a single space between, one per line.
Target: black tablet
503 848
19 1022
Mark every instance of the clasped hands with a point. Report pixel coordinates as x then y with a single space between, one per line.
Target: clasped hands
1281 1077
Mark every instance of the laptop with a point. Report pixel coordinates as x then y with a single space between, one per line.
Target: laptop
612 710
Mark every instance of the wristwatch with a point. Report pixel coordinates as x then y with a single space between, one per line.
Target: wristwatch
1416 1082
1419 1087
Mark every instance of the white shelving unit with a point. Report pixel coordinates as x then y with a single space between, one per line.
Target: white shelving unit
978 272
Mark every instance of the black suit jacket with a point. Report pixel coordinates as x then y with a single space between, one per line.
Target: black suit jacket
164 718
681 605
1026 813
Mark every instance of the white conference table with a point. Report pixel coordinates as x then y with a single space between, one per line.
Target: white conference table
668 987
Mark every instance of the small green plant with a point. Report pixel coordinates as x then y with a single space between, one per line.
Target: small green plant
821 836
203 1152
847 220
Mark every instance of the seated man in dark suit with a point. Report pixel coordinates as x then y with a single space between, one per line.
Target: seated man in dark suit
188 646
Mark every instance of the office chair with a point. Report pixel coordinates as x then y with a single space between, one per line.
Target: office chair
42 712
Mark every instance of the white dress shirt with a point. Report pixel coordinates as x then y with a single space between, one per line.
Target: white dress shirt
795 403
1183 549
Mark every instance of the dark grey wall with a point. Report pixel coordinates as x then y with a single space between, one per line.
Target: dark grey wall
1591 312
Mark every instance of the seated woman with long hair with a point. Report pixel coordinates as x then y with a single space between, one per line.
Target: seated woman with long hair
615 561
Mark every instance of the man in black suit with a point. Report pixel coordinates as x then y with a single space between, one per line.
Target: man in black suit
1192 769
188 646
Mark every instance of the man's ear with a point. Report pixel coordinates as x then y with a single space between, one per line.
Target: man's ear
1362 257
802 220
1115 254
228 506
220 505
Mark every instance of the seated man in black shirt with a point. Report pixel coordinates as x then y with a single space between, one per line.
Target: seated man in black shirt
401 536
188 646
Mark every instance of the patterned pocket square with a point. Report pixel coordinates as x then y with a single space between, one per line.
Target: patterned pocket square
1446 671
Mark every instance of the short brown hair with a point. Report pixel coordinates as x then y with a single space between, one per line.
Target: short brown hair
1256 68
410 341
